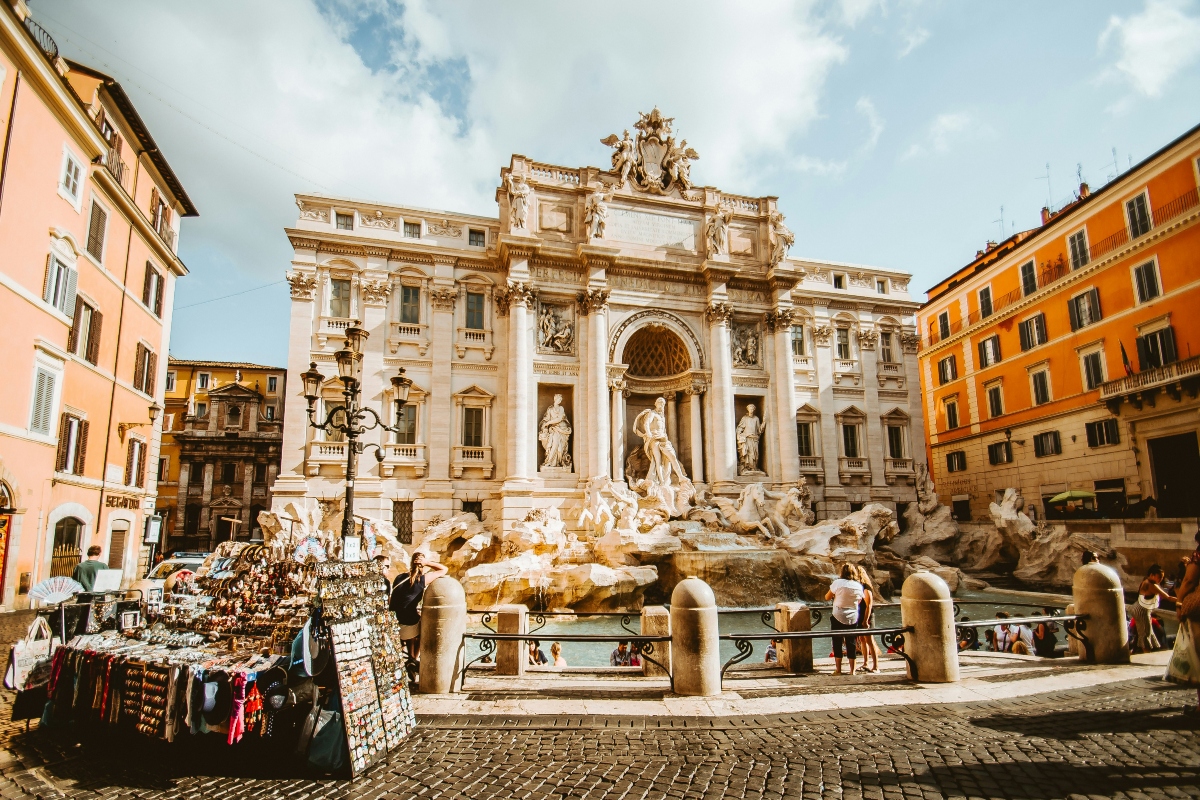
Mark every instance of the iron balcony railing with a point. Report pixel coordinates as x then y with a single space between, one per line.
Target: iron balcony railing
116 166
42 39
1150 378
1054 271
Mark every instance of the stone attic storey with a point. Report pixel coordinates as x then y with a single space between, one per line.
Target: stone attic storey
538 337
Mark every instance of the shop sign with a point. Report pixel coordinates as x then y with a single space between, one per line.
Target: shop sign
116 501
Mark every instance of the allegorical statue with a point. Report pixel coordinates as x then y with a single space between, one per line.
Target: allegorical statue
717 232
518 201
555 436
595 213
555 332
624 156
783 238
749 433
665 478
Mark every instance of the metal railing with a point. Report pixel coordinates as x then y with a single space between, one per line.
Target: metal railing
892 638
115 166
1155 376
967 632
42 39
639 645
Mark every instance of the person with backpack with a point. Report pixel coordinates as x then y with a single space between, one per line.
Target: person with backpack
405 601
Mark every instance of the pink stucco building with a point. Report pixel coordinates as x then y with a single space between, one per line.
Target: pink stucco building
89 222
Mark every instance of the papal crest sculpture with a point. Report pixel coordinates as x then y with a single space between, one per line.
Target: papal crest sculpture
652 162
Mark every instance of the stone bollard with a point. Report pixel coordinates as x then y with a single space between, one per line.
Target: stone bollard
1099 595
443 623
695 646
1072 642
926 606
657 622
795 655
511 656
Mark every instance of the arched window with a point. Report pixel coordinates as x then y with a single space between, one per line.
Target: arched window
7 501
68 534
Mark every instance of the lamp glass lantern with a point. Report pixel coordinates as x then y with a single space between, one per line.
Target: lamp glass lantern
312 383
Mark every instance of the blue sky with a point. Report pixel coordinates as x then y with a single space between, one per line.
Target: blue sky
891 131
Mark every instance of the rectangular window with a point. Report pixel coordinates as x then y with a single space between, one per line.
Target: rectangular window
1041 388
1033 332
96 227
850 440
339 298
956 461
989 351
476 238
72 172
1103 432
881 286
345 222
402 519
475 310
202 380
228 472
152 290
72 444
1139 216
895 435
135 463
201 409
804 439
1157 349
144 369
272 384
1084 309
164 465
995 398
412 230
472 427
170 381
1077 244
43 401
951 415
947 370
260 472
885 347
1146 278
839 281
270 411
406 421
410 304
843 343
1093 369
1028 278
943 324
985 302
1047 444
61 281
79 340
1000 453
798 340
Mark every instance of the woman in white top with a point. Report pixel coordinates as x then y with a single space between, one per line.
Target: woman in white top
846 593
1149 595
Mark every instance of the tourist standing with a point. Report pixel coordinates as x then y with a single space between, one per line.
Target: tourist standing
556 654
772 656
1150 593
1184 666
405 601
620 656
845 592
1045 638
85 573
866 619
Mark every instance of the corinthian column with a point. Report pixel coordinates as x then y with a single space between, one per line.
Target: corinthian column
520 372
618 428
779 322
594 303
724 466
697 435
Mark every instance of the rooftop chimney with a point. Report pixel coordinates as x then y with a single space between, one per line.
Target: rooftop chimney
1046 214
1084 191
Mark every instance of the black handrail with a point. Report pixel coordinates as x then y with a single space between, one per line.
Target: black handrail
643 646
967 632
539 617
893 638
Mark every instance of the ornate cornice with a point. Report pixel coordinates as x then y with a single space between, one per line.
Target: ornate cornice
301 243
780 318
867 339
375 292
718 313
821 334
910 342
592 300
442 299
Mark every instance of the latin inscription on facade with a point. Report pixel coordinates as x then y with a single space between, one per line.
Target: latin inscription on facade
633 283
657 230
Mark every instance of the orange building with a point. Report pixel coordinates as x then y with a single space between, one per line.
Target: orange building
89 216
1067 357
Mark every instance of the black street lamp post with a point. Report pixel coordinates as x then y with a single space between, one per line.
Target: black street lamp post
350 417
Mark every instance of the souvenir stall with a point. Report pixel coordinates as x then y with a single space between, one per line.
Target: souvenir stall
274 644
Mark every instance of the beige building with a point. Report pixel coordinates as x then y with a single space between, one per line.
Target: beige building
606 290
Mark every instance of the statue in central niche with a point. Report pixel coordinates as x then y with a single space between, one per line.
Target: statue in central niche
665 480
555 436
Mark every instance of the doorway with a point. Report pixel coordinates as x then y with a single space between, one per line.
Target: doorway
1175 464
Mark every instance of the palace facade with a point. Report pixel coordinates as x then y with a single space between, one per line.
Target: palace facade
605 290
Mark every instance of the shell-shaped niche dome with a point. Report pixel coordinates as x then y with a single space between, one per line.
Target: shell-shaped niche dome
654 351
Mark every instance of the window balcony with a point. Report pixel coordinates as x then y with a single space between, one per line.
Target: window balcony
1142 388
404 456
326 453
475 338
886 371
850 469
899 470
166 233
813 467
116 167
415 333
332 327
848 371
472 458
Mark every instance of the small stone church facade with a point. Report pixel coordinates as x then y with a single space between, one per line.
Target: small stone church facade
607 289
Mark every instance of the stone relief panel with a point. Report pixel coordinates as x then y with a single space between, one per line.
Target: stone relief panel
445 228
377 220
741 241
554 217
315 213
556 329
746 342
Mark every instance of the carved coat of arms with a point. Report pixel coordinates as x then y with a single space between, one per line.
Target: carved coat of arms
653 162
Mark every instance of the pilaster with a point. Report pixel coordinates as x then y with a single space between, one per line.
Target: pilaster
724 463
291 482
779 322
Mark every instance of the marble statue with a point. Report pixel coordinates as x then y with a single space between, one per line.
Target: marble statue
745 346
665 478
678 164
555 436
652 162
716 232
749 433
555 332
624 157
784 239
518 201
595 213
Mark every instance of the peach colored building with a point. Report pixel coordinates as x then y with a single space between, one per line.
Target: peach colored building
89 217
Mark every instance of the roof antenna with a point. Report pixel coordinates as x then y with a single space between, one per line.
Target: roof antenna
1001 221
1079 173
1115 165
1049 193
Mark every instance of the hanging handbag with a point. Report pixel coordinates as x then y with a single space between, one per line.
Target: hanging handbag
26 653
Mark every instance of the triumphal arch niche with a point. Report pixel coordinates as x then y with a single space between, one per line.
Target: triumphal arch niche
537 338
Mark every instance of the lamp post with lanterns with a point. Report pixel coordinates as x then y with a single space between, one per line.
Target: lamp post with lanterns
351 416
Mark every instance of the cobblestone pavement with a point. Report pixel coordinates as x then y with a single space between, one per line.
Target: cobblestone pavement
1126 740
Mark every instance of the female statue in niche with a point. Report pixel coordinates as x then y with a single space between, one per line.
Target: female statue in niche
555 436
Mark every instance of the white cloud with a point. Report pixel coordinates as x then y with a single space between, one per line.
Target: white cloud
945 130
855 11
913 39
867 109
818 166
1153 45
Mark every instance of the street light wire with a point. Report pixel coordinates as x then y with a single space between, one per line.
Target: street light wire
227 296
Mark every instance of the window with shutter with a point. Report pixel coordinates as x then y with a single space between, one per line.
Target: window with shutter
1041 388
951 415
139 477
985 302
92 354
1145 277
1033 332
148 381
43 402
60 286
64 435
1079 249
995 398
139 367
130 461
146 278
81 448
944 324
1138 213
1093 369
73 335
1028 278
96 227
1157 348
